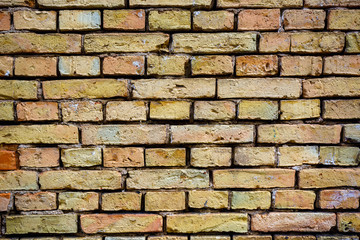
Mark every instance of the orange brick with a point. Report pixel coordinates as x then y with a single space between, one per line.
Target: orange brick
342 65
4 21
35 20
124 19
301 66
7 160
123 157
259 19
4 201
304 19
274 42
257 65
339 199
36 201
39 157
37 111
294 199
124 65
6 66
35 66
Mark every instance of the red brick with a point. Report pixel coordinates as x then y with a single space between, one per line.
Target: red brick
304 19
339 199
123 157
4 201
39 157
274 42
36 201
4 21
259 19
124 65
124 19
262 65
35 66
7 160
37 111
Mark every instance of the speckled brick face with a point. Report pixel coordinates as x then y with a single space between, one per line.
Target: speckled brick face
179 119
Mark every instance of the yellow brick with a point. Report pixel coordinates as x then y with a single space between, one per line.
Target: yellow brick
210 157
341 65
301 66
126 111
251 200
164 201
255 156
79 66
212 65
81 157
6 66
214 110
169 20
73 20
344 19
35 20
340 156
82 111
177 110
341 109
352 133
166 65
122 201
208 199
78 201
6 111
297 156
299 109
170 3
213 20
352 43
260 3
260 110
348 222
274 42
13 3
317 42
82 4
18 180
36 66
165 157
294 199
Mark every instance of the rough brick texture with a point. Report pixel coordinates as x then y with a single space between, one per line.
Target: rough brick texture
179 119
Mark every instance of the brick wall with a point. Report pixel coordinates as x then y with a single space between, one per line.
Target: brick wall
179 119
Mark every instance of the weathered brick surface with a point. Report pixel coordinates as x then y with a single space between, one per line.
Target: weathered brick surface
179 119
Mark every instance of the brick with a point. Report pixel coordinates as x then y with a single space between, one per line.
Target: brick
37 111
339 199
341 109
35 201
174 88
325 178
121 223
85 88
304 19
210 42
79 66
35 20
5 23
342 65
171 157
14 3
293 222
214 110
6 66
79 20
294 199
210 222
6 111
254 156
257 65
204 237
258 110
80 180
82 4
208 199
125 42
81 157
123 157
213 20
251 200
14 89
212 134
35 66
212 65
167 237
8 160
254 237
300 133
337 237
167 179
348 222
170 3
259 19
18 180
122 201
352 133
331 3
124 19
260 3
299 109
317 42
126 111
82 111
164 201
12 43
56 224
253 178
352 43
274 42
341 19
341 156
210 157
259 88
169 20
5 199
46 134
301 66
298 155
124 134
296 237
124 65
166 65
331 87
167 110
39 157
78 201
